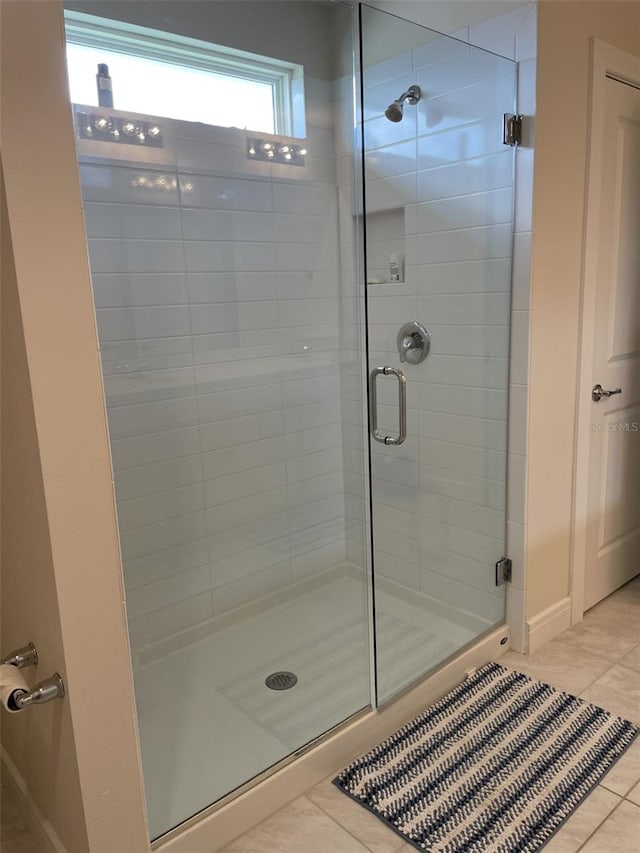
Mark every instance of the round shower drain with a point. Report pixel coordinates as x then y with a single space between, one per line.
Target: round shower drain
281 680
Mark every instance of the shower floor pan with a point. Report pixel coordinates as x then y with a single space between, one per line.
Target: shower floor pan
208 722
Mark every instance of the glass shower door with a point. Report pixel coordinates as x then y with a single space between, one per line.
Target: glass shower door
439 208
221 251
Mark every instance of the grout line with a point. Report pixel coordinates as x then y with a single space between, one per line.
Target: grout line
602 822
628 668
307 794
597 678
622 796
606 671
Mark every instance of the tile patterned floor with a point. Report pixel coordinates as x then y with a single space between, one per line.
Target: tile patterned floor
600 661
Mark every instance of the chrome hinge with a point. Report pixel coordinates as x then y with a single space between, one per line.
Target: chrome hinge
503 571
512 129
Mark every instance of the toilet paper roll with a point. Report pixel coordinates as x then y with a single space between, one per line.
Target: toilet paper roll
11 680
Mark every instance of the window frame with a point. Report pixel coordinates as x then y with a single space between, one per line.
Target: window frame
285 78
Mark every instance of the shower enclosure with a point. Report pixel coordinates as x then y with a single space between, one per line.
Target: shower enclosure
299 225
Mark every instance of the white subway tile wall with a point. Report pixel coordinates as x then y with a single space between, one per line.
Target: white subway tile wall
352 332
231 330
221 312
439 191
464 193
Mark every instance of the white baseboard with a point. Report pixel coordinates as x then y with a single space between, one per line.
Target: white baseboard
219 825
45 826
548 624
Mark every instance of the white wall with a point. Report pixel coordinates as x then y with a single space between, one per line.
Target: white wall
218 305
514 35
447 17
439 500
564 36
215 457
62 588
276 28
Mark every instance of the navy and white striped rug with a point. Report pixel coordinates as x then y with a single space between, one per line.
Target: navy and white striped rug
498 764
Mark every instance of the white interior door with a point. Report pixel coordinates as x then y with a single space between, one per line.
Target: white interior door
613 529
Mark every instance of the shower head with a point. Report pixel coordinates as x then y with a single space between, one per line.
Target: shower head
394 111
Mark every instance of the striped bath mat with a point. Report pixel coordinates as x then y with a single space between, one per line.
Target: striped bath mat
498 764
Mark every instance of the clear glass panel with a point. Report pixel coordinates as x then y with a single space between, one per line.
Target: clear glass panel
439 201
159 88
226 298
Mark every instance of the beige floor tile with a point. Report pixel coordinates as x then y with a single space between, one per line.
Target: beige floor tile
619 833
618 690
19 832
632 659
634 794
619 614
603 636
625 773
367 828
561 844
583 822
563 663
300 827
599 659
630 591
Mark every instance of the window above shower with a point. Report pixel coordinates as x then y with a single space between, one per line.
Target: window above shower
166 75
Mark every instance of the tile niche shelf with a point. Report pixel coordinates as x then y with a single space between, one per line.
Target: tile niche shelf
386 242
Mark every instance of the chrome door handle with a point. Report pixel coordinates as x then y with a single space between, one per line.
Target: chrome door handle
402 405
598 392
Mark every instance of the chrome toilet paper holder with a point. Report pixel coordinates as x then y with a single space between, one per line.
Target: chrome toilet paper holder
26 656
44 691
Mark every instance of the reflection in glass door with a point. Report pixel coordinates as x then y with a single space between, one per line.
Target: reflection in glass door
438 216
228 324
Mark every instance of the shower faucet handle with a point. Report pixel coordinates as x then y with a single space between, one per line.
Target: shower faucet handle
413 342
404 345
